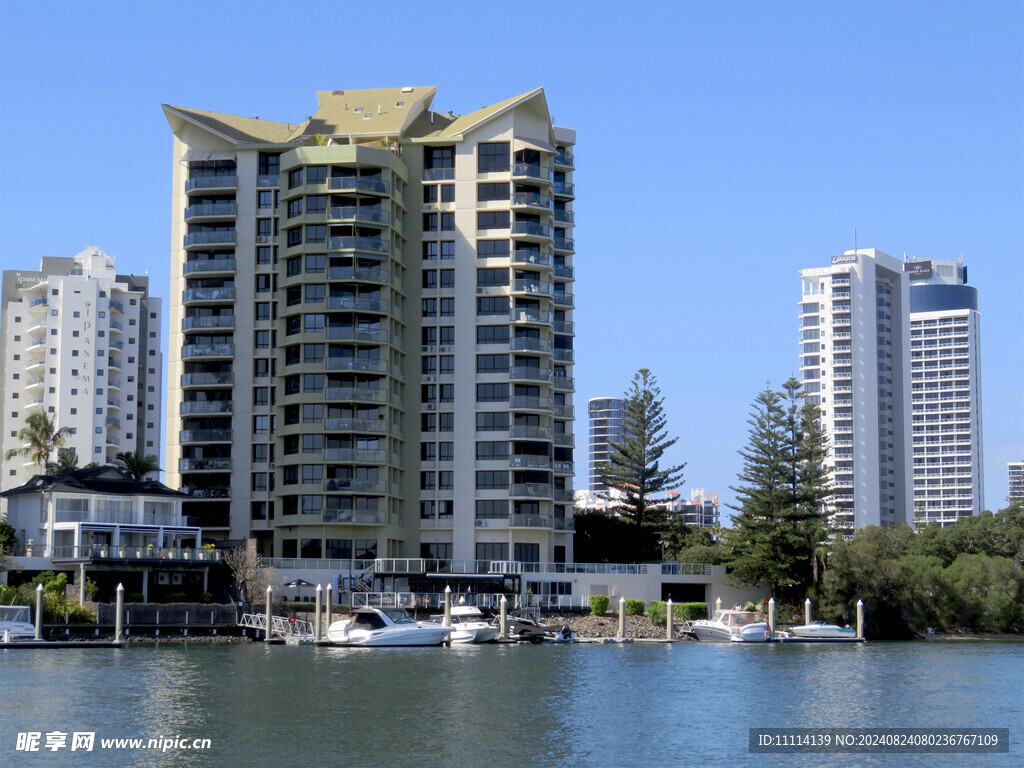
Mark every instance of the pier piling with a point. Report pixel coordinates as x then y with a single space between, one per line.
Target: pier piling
330 603
39 612
860 619
270 614
668 621
503 619
771 618
807 611
118 608
319 608
622 618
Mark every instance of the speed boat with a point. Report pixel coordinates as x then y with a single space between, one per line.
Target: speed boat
525 628
469 625
15 624
731 626
823 631
375 627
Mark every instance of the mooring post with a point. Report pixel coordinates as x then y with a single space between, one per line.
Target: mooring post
807 611
270 616
118 608
158 623
771 618
39 612
319 609
186 624
447 606
668 628
503 618
330 603
860 619
622 618
718 606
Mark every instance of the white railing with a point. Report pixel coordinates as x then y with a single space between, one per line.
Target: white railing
434 601
280 625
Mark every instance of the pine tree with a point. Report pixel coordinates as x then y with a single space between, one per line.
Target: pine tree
634 468
780 497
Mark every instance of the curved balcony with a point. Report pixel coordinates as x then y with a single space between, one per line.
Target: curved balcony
225 379
565 217
113 402
359 215
34 404
117 306
356 486
207 266
355 456
566 244
370 426
35 364
347 333
531 230
524 403
114 383
207 322
356 395
356 364
532 172
114 441
564 299
564 383
34 383
529 461
565 160
516 432
114 364
358 274
530 521
224 293
208 183
532 317
564 189
38 307
529 345
116 325
194 239
531 201
207 351
532 257
205 465
530 490
529 373
193 407
211 211
352 243
357 184
532 286
113 422
204 436
357 304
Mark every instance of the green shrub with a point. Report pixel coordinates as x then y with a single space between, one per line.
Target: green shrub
635 607
598 604
78 614
656 611
690 611
206 598
175 597
134 597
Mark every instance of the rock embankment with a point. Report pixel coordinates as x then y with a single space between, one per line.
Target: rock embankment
590 626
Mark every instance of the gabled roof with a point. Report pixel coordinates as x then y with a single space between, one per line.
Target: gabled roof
466 123
248 130
106 480
376 111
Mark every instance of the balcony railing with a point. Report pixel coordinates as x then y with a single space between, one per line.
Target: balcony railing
207 379
211 182
530 171
358 456
359 517
565 383
356 394
564 299
565 159
193 407
209 265
529 372
148 552
530 521
370 215
529 403
347 333
531 257
565 272
211 209
565 244
268 180
217 464
564 467
356 364
531 490
532 316
356 486
565 189
438 174
531 199
207 321
356 304
209 492
205 436
207 350
357 184
373 426
226 293
564 217
529 461
531 228
529 432
531 286
367 274
209 238
345 243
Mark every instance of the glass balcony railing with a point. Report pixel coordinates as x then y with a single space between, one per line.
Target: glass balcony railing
373 426
371 244
529 461
356 456
209 238
563 356
363 274
532 316
564 217
529 432
565 244
114 382
564 189
563 271
564 467
564 412
356 394
217 464
563 299
358 305
268 180
531 257
531 199
529 372
207 350
531 171
209 492
209 265
192 407
564 439
348 333
529 345
531 286
438 174
211 182
565 160
211 209
532 490
352 485
205 436
226 293
356 364
531 228
354 213
359 517
357 184
207 321
207 379
565 383
117 306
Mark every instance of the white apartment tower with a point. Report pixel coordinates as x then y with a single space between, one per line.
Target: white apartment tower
81 344
855 363
371 328
605 426
945 352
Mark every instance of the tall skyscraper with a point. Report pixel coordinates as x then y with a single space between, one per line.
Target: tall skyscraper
945 352
605 426
855 363
81 344
1015 482
371 328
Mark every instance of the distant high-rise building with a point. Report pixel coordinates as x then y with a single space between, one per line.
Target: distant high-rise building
855 363
945 352
605 426
371 328
81 344
1015 478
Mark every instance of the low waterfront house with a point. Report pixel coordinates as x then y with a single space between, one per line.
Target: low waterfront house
120 530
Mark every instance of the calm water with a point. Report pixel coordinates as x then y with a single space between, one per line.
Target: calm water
580 705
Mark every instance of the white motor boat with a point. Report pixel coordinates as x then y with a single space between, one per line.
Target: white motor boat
823 631
469 625
385 627
15 624
731 626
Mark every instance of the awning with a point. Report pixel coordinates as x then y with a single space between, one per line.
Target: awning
540 146
198 155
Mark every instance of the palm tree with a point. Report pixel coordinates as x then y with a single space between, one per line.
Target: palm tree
40 438
67 461
136 465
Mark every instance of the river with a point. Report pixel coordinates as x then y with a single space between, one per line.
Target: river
509 705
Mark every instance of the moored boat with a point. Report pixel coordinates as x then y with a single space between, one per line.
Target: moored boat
15 624
823 631
469 625
375 627
731 626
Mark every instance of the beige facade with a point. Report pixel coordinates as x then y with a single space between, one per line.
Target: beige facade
371 329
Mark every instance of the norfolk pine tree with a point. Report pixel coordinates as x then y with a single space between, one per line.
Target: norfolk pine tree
635 465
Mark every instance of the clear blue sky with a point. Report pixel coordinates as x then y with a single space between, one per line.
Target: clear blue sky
722 147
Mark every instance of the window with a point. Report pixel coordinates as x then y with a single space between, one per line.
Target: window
447 335
316 293
430 221
491 277
262 310
428 451
312 353
429 308
492 220
312 413
492 451
492 421
428 481
261 396
266 198
295 236
430 278
262 283
447 249
316 233
259 481
447 393
295 178
313 382
491 393
492 191
447 421
261 339
492 157
491 480
264 227
492 305
492 334
294 208
312 474
430 251
316 174
491 509
314 323
527 553
260 453
490 551
430 193
261 367
316 263
447 222
439 157
263 254
492 363
261 425
446 451
447 307
447 193
316 204
486 249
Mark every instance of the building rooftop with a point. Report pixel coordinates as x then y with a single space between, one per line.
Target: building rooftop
107 480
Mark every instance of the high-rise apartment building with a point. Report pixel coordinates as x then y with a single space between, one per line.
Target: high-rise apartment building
371 328
1015 482
945 360
855 363
81 344
605 427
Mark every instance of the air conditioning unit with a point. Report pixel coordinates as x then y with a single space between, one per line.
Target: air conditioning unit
428 378
444 350
481 523
163 578
262 238
430 407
